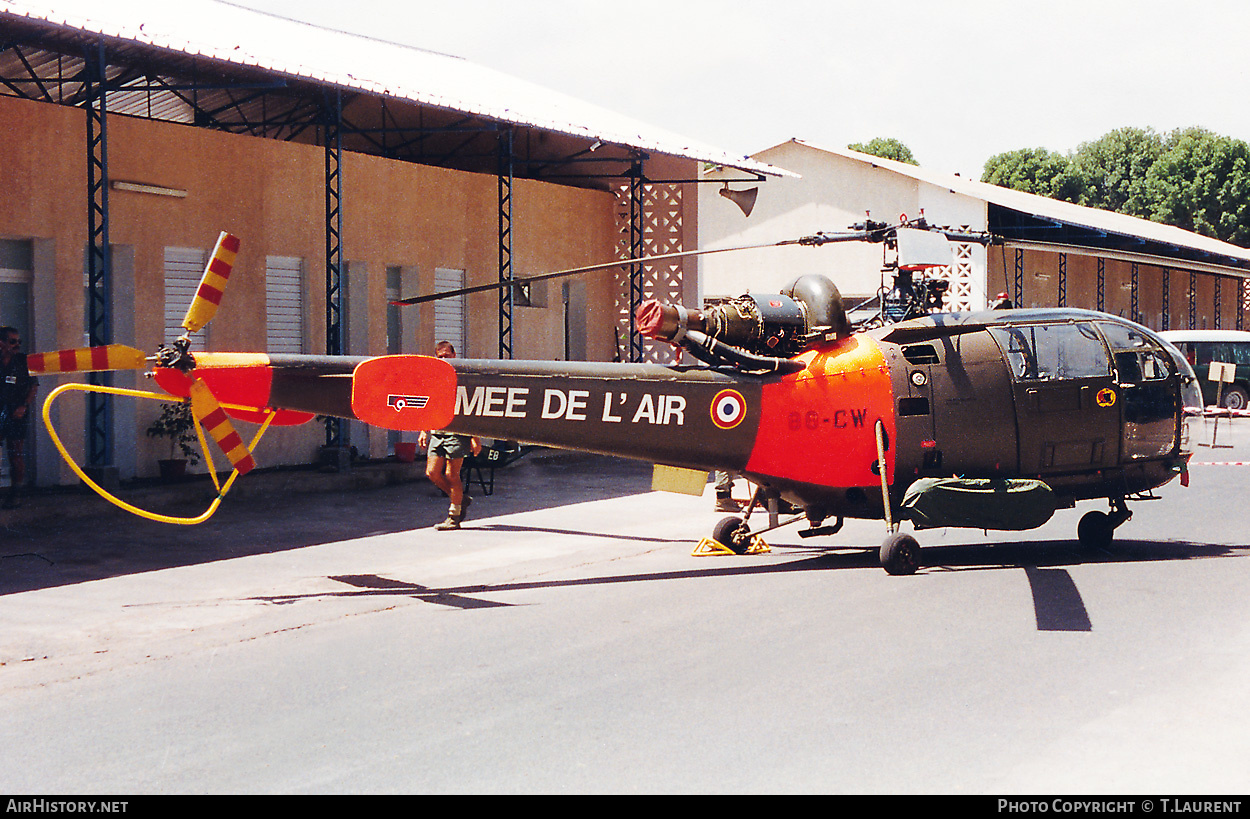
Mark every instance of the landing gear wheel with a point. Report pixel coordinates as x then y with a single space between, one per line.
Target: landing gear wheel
900 554
724 531
1095 530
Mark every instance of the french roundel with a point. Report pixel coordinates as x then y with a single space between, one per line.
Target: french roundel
728 409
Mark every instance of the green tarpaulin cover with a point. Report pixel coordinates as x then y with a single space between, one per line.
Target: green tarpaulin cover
978 503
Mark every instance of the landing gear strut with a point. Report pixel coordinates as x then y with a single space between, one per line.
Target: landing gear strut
900 553
733 534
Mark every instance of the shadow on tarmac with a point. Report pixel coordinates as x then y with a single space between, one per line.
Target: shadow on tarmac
506 527
1057 601
53 552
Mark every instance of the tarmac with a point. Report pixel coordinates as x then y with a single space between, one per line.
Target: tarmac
568 639
65 535
40 505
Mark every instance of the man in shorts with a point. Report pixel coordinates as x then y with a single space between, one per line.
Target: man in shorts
17 391
445 453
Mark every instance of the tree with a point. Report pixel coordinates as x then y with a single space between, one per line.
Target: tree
1202 183
1112 170
1191 178
1033 170
886 148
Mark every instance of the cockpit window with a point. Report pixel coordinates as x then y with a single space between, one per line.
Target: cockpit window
1138 357
1049 352
1122 337
1153 367
1191 392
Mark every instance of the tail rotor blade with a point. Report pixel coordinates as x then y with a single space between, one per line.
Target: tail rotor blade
88 359
215 421
212 284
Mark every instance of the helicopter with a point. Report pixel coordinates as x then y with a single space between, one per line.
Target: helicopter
986 420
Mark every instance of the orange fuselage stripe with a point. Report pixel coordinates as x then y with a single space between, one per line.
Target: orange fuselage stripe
818 426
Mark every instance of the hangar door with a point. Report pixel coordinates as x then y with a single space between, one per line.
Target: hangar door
15 285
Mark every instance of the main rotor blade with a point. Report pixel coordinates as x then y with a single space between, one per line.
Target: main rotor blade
212 284
88 359
585 269
214 420
814 240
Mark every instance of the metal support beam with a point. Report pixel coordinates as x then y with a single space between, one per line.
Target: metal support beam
99 257
1063 279
1218 302
1193 300
636 251
1019 299
333 120
1166 321
1241 303
1134 312
506 294
1102 285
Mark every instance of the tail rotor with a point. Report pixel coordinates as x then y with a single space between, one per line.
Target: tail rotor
176 355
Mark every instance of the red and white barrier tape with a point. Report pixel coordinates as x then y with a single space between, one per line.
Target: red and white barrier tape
1220 412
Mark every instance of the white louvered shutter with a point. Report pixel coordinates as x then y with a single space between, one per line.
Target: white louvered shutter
284 301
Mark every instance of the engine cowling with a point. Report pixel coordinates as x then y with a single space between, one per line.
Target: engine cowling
778 325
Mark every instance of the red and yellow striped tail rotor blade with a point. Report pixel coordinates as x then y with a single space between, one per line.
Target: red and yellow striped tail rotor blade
87 359
212 284
214 420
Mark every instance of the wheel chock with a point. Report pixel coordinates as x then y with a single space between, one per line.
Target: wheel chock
758 546
707 546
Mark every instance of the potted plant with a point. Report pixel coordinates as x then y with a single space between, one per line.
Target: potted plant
176 423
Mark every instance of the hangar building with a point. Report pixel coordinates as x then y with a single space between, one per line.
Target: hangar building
354 171
1046 253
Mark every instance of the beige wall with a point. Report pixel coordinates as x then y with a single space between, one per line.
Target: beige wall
272 195
831 194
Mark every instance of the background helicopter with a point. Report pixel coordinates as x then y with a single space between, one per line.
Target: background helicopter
989 420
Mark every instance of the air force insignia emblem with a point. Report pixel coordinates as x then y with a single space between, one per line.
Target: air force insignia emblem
402 402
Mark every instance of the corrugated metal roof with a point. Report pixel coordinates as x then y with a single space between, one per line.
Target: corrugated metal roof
242 37
1052 209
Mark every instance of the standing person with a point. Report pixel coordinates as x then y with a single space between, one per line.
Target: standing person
724 493
445 453
17 391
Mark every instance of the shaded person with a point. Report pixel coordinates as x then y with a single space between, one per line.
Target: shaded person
445 454
17 391
724 493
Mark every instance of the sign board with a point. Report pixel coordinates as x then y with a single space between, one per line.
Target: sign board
1222 372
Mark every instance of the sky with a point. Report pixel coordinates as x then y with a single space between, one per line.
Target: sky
957 81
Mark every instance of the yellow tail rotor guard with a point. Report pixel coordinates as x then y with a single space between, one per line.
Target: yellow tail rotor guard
118 502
